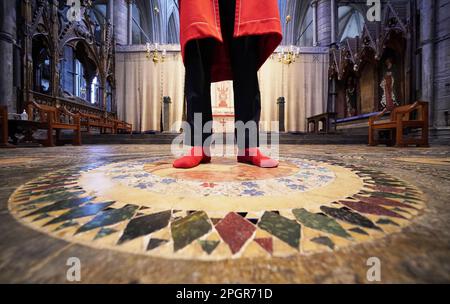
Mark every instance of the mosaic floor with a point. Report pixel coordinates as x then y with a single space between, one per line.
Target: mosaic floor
316 204
217 211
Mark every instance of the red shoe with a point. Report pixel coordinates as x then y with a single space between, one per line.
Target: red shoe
195 157
254 157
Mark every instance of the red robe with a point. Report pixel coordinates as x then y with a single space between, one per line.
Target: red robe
201 19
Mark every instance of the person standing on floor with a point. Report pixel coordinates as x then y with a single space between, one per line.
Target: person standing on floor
226 40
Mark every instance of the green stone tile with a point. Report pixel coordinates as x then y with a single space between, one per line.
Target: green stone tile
320 222
189 228
54 197
66 225
283 228
105 231
109 217
83 211
209 246
61 205
323 240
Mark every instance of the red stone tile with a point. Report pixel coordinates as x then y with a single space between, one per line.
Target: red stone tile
386 189
235 231
266 244
382 201
370 209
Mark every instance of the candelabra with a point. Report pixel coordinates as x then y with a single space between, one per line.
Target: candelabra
288 55
155 54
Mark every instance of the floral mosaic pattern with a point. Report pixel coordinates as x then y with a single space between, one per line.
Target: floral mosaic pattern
302 176
58 204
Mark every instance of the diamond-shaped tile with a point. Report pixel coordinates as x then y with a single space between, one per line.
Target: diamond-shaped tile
346 215
109 217
285 229
155 243
144 225
189 228
323 240
371 209
83 211
266 244
235 231
320 222
208 246
61 205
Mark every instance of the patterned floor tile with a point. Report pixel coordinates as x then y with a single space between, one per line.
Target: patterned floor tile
235 231
320 222
109 217
189 228
281 227
144 225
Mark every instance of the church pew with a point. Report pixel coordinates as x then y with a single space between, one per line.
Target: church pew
89 121
400 119
57 119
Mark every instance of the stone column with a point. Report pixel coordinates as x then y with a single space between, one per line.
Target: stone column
110 14
314 8
427 33
281 113
166 114
324 22
129 22
334 17
8 32
120 21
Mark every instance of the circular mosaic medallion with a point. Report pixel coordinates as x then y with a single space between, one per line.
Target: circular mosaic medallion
217 211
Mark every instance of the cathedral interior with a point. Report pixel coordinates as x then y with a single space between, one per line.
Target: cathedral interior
354 104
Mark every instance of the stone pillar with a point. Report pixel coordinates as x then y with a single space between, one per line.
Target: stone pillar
8 32
324 22
166 114
120 21
334 17
314 9
129 22
427 33
281 102
110 14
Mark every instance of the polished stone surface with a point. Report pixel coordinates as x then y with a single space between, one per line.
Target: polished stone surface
399 215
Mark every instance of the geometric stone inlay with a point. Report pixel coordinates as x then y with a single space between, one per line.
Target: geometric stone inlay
219 210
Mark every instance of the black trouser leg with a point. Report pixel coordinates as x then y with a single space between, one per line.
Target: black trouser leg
244 63
247 97
198 89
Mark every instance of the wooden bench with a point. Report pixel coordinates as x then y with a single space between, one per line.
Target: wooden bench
57 119
122 126
328 123
409 116
89 121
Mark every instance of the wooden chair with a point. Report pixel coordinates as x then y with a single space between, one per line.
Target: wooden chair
93 121
57 119
401 118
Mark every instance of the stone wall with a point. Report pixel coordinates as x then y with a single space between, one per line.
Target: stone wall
442 63
7 40
120 21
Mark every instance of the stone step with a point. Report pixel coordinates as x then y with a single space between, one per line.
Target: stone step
167 138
